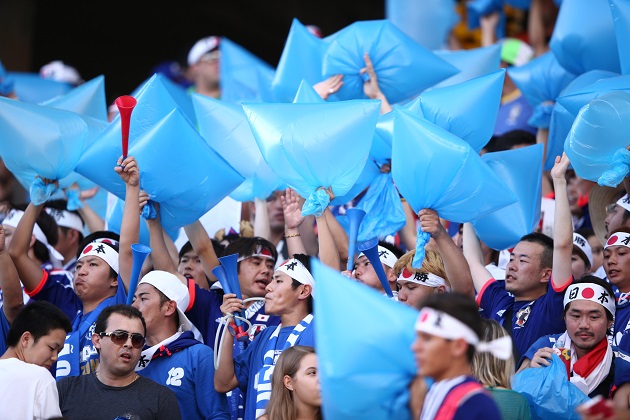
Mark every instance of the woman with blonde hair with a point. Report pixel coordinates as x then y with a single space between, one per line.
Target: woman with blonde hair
496 375
417 283
295 393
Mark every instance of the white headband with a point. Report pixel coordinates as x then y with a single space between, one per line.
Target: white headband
296 270
386 256
581 242
425 279
618 238
66 219
104 252
624 202
590 291
13 219
261 252
441 324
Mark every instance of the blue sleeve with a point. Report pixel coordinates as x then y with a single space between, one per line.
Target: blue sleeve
245 362
494 299
121 294
546 341
203 313
61 296
210 403
622 367
4 330
479 406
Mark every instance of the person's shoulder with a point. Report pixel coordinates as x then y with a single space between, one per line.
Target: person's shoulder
621 356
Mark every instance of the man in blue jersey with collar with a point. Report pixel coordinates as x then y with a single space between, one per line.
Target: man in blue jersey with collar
174 357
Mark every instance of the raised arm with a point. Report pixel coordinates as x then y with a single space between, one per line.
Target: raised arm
224 375
371 88
13 300
202 244
408 232
474 256
455 263
339 235
261 220
130 226
28 269
159 252
328 253
92 220
562 226
293 219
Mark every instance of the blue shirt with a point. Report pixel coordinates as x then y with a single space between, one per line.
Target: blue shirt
621 327
621 363
530 319
190 374
4 330
249 363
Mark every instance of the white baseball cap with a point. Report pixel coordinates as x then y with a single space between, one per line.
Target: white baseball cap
60 72
201 47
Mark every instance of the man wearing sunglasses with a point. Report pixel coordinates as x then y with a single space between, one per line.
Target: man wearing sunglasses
115 390
175 357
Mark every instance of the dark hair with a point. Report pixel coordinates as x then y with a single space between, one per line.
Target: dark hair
586 232
112 274
100 234
598 281
124 310
39 318
461 307
306 261
48 225
393 248
245 247
546 258
218 248
61 205
510 139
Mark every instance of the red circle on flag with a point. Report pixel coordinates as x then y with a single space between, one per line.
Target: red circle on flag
588 293
406 273
612 240
87 249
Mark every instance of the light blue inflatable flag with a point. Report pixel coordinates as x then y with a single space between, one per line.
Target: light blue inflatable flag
301 59
177 168
584 37
597 142
562 119
427 22
34 89
38 140
244 77
381 151
471 63
620 10
503 228
403 67
368 174
307 95
88 99
315 145
541 81
468 109
362 375
437 170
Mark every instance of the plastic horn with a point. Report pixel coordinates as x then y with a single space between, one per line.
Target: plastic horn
140 253
355 216
370 250
227 274
125 105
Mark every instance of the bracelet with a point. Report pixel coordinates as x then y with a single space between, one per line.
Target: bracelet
293 235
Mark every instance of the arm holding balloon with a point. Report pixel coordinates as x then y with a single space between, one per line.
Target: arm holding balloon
455 263
474 256
92 220
563 226
159 252
408 232
224 375
329 86
488 25
13 300
202 244
293 219
542 137
371 87
261 220
340 236
328 253
129 172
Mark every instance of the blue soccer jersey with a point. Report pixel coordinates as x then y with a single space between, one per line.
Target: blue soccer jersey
530 319
189 372
621 328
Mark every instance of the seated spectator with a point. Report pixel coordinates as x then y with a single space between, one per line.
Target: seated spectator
115 390
27 389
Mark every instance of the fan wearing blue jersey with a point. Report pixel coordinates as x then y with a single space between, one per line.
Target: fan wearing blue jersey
13 300
528 304
447 336
617 266
173 356
595 367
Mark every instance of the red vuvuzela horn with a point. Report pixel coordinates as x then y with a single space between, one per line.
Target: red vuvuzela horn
125 105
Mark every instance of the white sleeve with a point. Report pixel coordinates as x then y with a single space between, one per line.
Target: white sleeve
47 401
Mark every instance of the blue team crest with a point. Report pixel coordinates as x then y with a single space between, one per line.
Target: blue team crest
523 315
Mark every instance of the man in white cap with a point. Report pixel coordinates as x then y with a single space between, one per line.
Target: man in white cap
69 232
174 356
203 66
595 367
60 72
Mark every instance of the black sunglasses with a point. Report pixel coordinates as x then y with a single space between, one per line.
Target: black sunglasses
120 337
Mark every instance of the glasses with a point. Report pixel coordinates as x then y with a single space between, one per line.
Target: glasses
120 337
611 208
210 57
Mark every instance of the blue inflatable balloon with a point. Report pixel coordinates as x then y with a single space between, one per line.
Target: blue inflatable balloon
584 37
34 89
244 77
381 151
306 94
50 140
471 63
503 228
427 22
370 171
371 383
88 99
620 10
597 142
562 119
301 59
315 145
403 67
541 81
468 109
177 167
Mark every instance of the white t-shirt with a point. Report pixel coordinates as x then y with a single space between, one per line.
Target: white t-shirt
27 391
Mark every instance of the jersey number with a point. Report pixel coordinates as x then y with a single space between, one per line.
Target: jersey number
175 376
